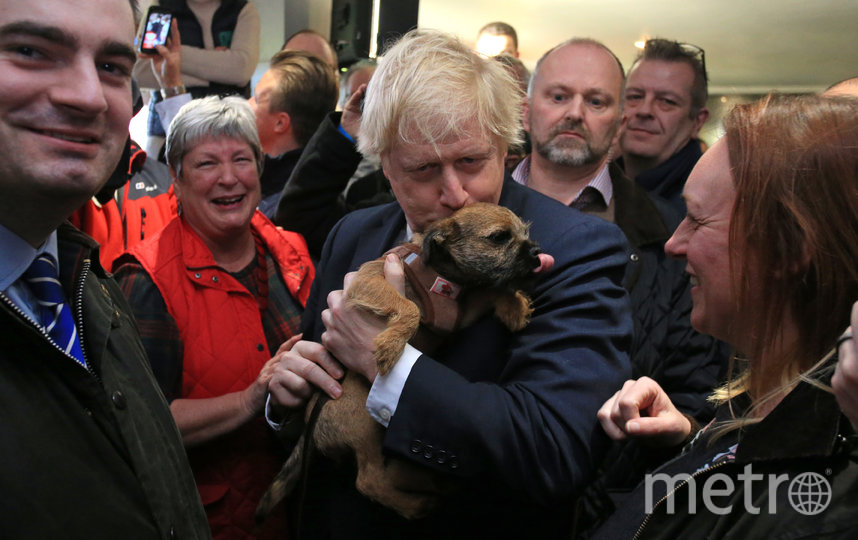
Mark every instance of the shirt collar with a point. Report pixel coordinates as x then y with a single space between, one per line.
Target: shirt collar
601 182
18 255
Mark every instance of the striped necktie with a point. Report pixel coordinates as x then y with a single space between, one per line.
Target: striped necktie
54 313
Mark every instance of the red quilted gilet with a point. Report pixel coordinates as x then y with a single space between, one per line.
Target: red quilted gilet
224 349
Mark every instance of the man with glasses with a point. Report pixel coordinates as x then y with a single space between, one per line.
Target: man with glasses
665 108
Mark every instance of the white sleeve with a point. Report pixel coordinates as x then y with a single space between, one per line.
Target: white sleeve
169 107
384 394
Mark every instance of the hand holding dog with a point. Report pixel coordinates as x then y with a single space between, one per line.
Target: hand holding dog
845 379
349 332
641 409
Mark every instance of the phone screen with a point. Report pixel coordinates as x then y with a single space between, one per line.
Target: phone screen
156 30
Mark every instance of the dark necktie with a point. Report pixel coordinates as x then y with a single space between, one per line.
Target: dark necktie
53 310
588 200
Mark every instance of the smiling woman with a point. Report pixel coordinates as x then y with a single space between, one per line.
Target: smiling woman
219 294
770 242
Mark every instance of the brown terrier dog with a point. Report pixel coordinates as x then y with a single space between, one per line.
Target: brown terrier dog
485 257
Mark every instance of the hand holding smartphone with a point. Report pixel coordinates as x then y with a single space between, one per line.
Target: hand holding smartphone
155 30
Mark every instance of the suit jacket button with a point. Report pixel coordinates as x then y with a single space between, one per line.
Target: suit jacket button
441 457
416 446
118 399
428 452
454 462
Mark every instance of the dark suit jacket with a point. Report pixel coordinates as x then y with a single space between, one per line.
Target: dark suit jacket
512 415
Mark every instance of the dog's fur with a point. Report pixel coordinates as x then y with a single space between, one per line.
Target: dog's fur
485 249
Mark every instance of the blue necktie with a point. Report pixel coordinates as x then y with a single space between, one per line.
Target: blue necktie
54 313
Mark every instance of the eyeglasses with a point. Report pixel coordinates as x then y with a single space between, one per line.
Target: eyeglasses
688 49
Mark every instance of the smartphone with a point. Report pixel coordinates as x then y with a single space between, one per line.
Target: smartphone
155 29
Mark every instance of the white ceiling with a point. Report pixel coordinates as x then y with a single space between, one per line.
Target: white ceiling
752 46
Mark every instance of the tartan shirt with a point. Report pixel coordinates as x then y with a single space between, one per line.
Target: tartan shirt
160 334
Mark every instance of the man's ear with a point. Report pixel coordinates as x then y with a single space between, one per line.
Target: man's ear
283 123
616 140
700 119
525 114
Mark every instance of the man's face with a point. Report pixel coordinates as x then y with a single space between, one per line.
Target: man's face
65 96
358 78
495 44
658 110
431 185
574 110
266 120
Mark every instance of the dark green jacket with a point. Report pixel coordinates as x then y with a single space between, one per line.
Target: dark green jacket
88 454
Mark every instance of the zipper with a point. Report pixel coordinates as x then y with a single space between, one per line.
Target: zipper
79 316
675 489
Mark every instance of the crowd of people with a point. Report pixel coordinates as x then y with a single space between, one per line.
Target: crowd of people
689 369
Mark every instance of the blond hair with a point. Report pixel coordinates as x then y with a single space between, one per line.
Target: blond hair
430 88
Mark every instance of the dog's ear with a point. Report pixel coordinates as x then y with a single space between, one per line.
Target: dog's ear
436 236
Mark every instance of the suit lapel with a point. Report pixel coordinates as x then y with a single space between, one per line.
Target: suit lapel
379 235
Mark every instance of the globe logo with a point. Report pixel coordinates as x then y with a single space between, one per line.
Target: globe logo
809 493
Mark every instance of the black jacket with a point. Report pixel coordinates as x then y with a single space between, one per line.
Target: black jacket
804 440
88 454
687 364
668 179
666 348
313 199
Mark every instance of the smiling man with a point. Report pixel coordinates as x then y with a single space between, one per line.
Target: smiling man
89 447
508 417
665 108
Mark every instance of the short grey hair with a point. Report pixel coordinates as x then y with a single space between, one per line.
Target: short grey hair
346 89
212 117
430 87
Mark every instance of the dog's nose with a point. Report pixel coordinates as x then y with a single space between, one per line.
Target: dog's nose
535 251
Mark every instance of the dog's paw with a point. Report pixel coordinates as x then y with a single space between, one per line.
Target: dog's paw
513 310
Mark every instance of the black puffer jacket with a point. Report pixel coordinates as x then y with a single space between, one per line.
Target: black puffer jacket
666 348
88 454
687 364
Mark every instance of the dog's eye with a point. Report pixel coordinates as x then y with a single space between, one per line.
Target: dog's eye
500 237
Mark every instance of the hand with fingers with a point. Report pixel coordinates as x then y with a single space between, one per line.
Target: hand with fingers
300 370
352 112
253 397
350 332
845 379
641 409
167 64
